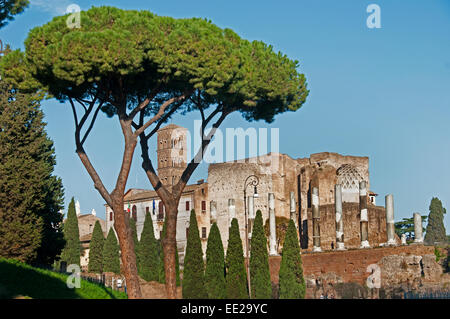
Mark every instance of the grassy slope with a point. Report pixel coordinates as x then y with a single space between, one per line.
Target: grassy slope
18 279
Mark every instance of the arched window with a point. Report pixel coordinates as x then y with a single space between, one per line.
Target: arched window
349 177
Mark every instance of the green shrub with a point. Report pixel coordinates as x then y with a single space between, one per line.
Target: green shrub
215 265
111 257
193 274
259 262
292 283
96 249
236 277
149 257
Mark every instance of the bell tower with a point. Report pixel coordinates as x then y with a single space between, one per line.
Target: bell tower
172 153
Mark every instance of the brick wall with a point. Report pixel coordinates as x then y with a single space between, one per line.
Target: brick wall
351 265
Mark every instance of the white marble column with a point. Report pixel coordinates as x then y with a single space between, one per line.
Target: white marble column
390 228
364 223
272 226
418 230
339 217
293 209
213 211
231 211
316 219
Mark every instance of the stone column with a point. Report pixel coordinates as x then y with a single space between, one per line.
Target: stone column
231 210
339 217
364 224
293 208
390 228
272 226
316 219
251 215
418 230
404 239
213 211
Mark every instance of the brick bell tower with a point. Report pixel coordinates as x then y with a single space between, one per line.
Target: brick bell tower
171 151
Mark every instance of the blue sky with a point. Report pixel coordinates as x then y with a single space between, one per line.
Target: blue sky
382 93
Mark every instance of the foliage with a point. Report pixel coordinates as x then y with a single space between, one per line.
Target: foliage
435 231
30 196
162 273
236 273
24 280
281 228
96 249
149 257
292 283
215 265
10 8
135 239
406 226
259 262
194 267
181 53
111 257
72 250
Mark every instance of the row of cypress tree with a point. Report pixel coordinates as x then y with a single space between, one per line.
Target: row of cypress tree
104 257
225 276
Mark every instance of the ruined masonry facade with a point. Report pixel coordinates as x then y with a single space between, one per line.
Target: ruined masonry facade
291 181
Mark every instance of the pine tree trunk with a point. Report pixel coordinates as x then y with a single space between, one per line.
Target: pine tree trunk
170 246
128 256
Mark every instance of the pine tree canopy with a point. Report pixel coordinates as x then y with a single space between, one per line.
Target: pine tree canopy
435 231
119 56
149 256
9 8
96 249
259 262
215 265
194 267
30 196
292 283
111 255
236 278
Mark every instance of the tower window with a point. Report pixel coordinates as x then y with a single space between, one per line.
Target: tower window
110 216
203 206
187 206
204 232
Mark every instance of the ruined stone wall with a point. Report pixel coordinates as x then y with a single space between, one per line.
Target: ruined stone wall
277 174
352 233
412 266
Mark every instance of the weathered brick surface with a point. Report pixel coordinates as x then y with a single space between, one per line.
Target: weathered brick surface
349 265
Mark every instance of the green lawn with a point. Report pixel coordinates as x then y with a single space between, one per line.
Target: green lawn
19 279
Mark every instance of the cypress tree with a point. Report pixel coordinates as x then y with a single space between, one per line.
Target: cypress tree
30 196
72 250
149 258
133 228
215 283
111 258
236 279
194 267
162 273
96 249
435 231
292 283
259 262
